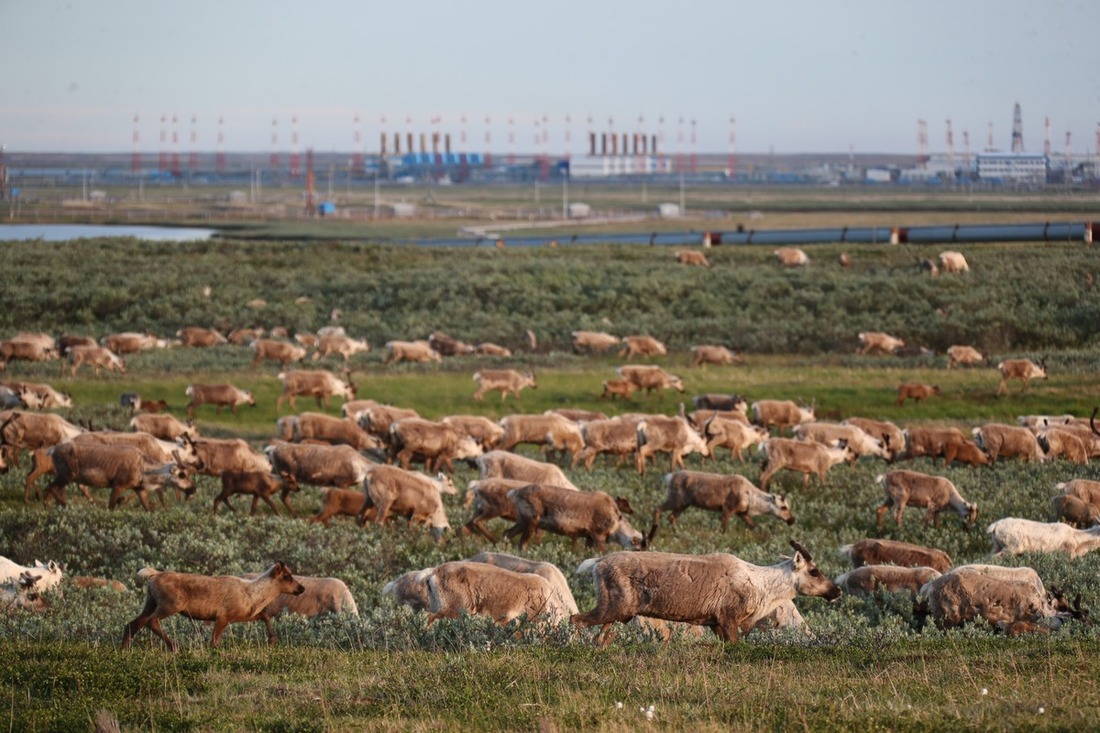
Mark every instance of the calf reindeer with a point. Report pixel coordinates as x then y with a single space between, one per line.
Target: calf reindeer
1022 369
221 599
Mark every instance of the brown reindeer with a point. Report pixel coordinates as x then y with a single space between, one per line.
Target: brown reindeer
221 599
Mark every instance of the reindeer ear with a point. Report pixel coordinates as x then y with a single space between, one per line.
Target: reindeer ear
624 505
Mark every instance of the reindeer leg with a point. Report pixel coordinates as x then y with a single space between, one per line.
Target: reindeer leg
139 623
605 636
57 491
154 624
219 628
766 476
478 525
529 533
286 502
271 638
115 498
880 513
41 465
270 503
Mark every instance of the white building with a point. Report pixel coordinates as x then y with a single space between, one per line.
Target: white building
605 166
1021 167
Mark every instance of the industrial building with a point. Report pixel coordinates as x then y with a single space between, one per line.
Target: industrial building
1013 167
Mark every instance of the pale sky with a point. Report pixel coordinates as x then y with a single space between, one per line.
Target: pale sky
797 75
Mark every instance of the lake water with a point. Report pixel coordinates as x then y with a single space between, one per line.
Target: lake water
67 232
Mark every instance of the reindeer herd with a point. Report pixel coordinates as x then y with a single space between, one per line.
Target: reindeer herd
364 464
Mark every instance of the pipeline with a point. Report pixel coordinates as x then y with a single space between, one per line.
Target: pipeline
951 234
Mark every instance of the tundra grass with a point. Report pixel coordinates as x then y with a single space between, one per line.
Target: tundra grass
949 683
838 387
867 664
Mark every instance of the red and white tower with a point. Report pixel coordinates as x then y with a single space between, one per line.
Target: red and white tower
567 138
162 156
660 143
274 145
511 140
488 143
175 146
135 156
537 143
543 147
295 163
950 139
545 167
1096 151
922 144
694 158
219 164
357 146
731 162
193 152
1069 156
680 145
966 154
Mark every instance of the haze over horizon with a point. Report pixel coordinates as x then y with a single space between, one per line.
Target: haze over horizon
798 77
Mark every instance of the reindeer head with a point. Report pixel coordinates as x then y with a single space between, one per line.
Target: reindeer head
446 485
808 580
781 508
28 596
971 515
285 579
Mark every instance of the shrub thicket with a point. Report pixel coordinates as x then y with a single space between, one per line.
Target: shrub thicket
1016 297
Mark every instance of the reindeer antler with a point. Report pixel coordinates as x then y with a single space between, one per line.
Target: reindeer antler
800 549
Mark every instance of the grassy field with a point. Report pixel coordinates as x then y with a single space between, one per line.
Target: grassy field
865 666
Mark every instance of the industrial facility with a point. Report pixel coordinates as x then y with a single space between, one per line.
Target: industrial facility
618 153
